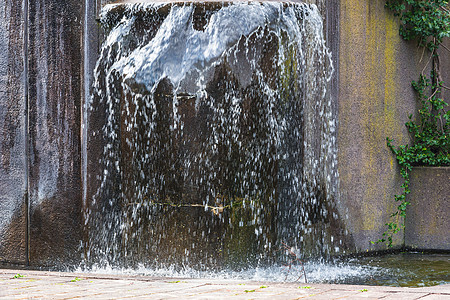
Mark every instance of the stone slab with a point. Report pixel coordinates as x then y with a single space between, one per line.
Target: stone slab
12 134
54 285
427 218
55 91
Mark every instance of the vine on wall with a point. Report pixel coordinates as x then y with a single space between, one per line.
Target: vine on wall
428 21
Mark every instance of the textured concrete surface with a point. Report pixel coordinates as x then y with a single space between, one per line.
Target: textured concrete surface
40 83
12 133
51 285
376 68
427 219
55 89
374 98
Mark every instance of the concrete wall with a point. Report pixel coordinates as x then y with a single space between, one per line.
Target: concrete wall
13 184
55 90
40 130
42 146
427 225
375 97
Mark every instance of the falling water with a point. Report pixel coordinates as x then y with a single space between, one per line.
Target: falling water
219 137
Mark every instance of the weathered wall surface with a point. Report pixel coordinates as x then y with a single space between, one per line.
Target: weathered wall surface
374 68
375 98
48 120
427 225
55 90
12 134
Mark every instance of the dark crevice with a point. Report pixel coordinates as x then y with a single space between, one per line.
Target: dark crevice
201 17
27 132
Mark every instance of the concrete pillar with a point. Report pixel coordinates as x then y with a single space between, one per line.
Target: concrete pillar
13 175
55 94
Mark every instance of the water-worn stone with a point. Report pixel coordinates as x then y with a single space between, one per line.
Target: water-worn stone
157 177
12 134
55 91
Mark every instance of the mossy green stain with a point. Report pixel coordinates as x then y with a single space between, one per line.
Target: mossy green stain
368 65
288 80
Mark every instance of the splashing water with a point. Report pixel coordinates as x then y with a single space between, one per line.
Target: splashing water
219 137
402 269
316 272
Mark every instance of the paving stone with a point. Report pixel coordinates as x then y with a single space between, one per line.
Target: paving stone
436 297
404 296
53 285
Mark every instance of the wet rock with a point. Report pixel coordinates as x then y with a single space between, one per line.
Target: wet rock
55 90
215 147
12 134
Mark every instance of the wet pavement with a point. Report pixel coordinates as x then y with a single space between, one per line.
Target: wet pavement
21 284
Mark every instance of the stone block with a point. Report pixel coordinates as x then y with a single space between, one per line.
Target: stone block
55 92
175 152
12 134
427 218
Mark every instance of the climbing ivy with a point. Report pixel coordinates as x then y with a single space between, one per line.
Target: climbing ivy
428 21
422 20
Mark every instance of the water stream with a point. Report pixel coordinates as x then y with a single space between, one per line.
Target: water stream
210 150
219 137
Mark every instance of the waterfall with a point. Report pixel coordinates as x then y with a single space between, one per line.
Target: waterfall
218 136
